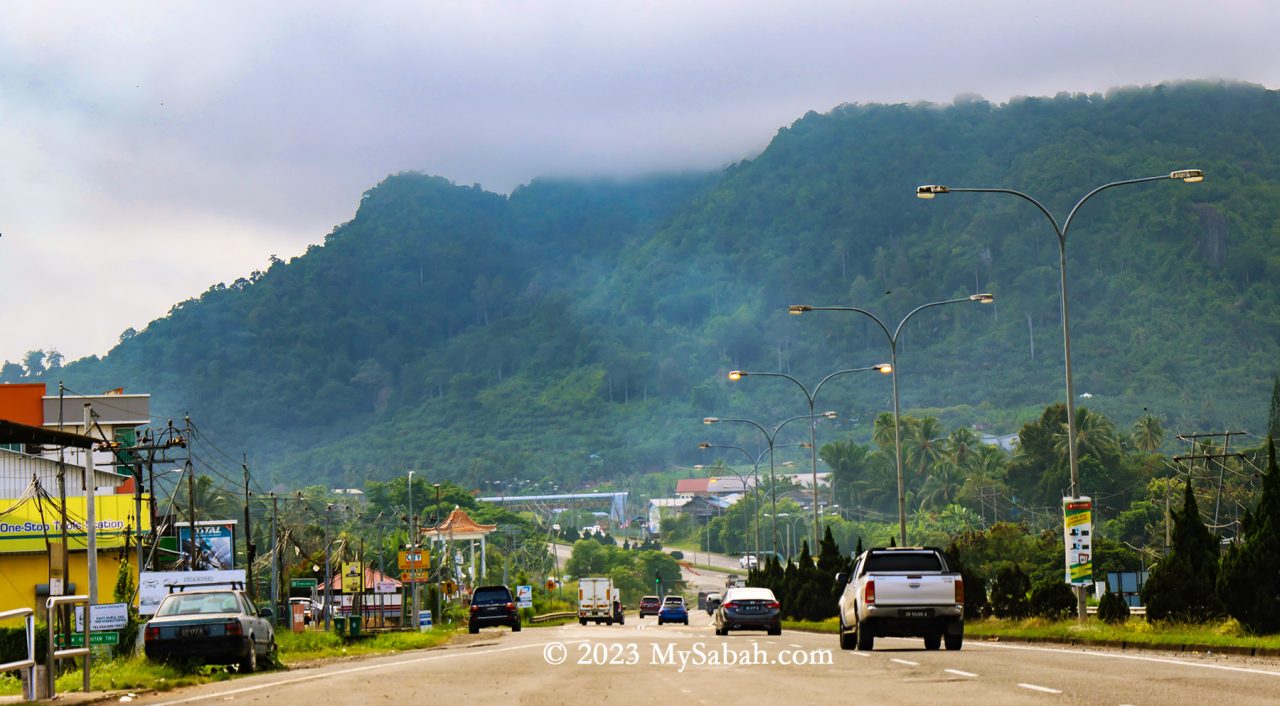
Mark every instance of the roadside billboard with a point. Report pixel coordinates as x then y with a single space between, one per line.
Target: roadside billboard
214 546
153 586
26 526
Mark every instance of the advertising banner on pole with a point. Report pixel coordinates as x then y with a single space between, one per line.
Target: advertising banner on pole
1077 514
214 546
352 577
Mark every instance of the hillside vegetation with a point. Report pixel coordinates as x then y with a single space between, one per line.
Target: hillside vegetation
578 331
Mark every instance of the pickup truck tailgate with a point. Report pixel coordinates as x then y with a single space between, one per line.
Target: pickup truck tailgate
910 589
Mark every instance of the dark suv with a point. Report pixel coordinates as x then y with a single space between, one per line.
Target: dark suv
493 605
650 605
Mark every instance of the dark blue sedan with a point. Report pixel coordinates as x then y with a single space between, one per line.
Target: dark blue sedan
673 611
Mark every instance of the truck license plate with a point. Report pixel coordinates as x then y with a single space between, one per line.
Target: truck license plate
918 613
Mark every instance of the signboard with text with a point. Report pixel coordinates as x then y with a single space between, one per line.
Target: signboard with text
103 617
214 545
524 596
24 528
1077 514
153 586
352 577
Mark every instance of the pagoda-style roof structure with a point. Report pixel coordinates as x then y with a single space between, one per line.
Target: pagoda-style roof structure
459 525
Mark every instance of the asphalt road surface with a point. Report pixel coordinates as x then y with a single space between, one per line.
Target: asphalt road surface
644 663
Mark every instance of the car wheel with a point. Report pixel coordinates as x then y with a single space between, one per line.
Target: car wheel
582 622
515 627
249 663
659 621
953 641
866 641
846 639
932 642
686 621
473 628
775 631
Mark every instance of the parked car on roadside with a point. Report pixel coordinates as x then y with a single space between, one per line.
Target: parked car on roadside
493 605
213 626
673 610
749 609
649 605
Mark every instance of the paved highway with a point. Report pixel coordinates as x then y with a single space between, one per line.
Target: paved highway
642 663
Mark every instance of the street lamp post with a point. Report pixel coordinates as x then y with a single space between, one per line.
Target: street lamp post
929 191
893 364
413 545
755 476
885 368
769 439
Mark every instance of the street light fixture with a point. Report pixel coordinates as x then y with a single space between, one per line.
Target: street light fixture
1189 176
769 438
755 486
884 368
892 367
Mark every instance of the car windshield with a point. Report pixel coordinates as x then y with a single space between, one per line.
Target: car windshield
199 604
485 596
902 561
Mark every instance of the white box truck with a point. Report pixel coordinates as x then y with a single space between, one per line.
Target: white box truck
598 600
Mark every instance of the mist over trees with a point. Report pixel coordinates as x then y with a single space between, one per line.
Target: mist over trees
578 331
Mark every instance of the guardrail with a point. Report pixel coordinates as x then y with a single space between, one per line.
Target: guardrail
553 616
1133 610
29 664
55 655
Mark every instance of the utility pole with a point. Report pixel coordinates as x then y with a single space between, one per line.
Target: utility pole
62 504
328 594
90 513
275 558
249 546
413 544
1222 467
191 493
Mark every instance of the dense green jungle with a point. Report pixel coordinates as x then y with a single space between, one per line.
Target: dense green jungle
576 332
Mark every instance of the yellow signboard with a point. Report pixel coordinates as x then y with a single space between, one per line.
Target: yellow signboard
416 559
352 577
26 526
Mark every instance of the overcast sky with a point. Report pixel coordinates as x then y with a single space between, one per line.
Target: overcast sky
151 149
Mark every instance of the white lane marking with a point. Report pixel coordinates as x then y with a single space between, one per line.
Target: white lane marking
957 672
1158 660
1045 689
858 654
907 662
352 670
797 646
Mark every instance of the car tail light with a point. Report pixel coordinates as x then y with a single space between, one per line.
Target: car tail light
869 593
773 605
959 591
474 608
151 634
731 605
511 606
233 628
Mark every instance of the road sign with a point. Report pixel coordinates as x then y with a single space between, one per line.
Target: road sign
415 559
95 638
303 583
415 575
524 596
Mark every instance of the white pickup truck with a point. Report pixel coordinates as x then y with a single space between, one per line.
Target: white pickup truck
901 592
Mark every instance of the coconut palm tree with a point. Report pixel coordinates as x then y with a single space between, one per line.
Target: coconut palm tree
882 430
924 441
1095 435
941 486
1148 433
961 446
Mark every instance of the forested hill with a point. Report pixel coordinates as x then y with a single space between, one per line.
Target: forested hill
579 330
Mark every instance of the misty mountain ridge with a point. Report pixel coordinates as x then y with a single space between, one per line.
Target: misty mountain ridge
578 330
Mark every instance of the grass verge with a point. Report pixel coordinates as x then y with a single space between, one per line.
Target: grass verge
1226 635
137 672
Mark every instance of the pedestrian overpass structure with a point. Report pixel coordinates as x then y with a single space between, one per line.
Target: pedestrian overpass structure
542 505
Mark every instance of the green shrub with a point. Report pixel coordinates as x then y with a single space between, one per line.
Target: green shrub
1052 599
1009 593
1112 609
